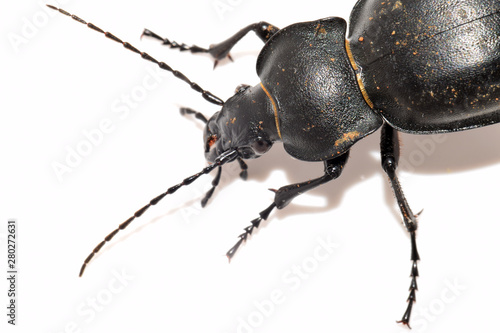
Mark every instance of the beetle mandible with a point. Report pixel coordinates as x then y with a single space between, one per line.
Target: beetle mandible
414 66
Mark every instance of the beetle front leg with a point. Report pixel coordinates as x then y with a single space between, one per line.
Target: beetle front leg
220 50
284 195
389 147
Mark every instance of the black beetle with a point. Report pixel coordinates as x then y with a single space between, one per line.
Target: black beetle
419 67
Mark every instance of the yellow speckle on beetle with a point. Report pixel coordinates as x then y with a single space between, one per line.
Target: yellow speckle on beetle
320 29
347 137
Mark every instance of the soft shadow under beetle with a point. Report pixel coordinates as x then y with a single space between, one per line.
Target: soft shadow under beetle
415 66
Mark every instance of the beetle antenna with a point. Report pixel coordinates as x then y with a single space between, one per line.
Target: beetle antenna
222 159
197 115
206 94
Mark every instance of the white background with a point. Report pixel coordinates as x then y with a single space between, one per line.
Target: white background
60 79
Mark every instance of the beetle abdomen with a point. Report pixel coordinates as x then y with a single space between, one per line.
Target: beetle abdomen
429 66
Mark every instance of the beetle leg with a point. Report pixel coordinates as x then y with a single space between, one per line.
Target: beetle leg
244 169
220 50
173 44
215 183
284 195
389 147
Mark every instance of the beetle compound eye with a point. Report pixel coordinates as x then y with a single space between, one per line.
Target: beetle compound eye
241 88
210 141
261 146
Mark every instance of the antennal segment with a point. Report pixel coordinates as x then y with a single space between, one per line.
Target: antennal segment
197 115
224 158
206 94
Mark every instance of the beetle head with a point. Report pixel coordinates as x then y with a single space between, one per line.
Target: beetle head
245 123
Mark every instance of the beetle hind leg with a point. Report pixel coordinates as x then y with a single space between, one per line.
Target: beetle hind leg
389 147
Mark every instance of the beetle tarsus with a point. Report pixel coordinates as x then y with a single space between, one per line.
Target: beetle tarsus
172 44
220 50
413 286
405 320
255 223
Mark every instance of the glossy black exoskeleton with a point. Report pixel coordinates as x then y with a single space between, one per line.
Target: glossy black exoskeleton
415 66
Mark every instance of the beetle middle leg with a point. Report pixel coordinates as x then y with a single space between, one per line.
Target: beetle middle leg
220 50
284 195
389 148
